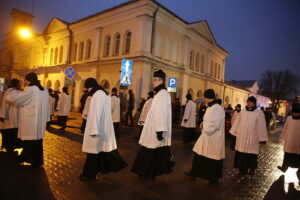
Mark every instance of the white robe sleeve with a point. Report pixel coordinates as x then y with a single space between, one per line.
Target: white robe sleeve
235 125
212 124
4 109
261 127
21 98
283 135
187 111
60 102
95 113
161 115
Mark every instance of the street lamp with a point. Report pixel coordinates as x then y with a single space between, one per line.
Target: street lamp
25 33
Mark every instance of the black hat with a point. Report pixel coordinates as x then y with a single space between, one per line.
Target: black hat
188 96
252 99
31 77
296 108
90 83
160 74
209 94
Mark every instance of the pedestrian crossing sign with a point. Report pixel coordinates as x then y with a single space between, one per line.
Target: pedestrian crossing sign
126 72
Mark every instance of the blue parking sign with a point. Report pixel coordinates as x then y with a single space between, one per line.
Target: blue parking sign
172 82
126 72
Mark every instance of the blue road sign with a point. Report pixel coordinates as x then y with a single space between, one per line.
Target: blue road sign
70 73
172 82
126 72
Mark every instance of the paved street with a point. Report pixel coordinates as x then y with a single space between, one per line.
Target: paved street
64 160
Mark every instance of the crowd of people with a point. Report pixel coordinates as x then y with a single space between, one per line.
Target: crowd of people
24 115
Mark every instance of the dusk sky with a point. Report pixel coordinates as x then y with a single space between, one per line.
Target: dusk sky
260 35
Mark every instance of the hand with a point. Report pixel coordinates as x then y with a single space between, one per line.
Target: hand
263 142
185 120
159 135
141 122
201 126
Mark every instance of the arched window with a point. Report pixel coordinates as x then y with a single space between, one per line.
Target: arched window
75 52
216 70
49 84
88 49
107 46
211 68
81 47
191 91
61 53
55 55
105 84
200 94
192 60
117 44
197 62
127 42
174 51
51 56
202 63
219 71
56 85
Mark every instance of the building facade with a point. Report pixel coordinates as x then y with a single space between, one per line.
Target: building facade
143 31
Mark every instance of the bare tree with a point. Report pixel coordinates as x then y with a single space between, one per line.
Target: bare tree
278 85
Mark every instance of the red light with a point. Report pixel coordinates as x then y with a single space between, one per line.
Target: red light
287 105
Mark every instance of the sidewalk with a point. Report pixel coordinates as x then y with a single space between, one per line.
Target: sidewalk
64 160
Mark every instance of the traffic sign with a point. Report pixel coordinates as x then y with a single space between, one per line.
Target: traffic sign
70 73
172 82
126 72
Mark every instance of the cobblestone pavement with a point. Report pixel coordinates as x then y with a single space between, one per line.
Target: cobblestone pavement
64 160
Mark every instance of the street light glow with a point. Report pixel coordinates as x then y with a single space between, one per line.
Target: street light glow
25 33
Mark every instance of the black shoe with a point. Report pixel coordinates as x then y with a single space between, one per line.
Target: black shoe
283 169
85 178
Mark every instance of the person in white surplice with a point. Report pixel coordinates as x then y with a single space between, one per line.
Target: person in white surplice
63 108
115 111
9 114
250 130
189 120
144 113
33 117
290 136
210 147
99 140
154 156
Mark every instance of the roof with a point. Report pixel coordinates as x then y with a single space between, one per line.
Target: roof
244 83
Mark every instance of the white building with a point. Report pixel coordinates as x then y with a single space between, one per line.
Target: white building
143 31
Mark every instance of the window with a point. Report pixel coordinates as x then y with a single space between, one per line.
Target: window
202 63
61 53
51 56
88 49
107 46
75 52
117 44
211 68
216 70
197 62
192 60
81 47
219 71
127 42
55 55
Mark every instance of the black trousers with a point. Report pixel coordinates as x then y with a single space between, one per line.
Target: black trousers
188 135
117 130
129 115
62 121
83 125
33 152
10 139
